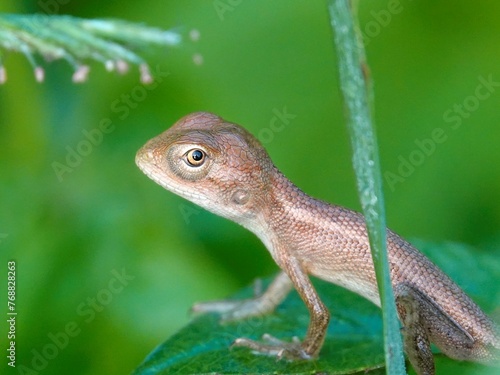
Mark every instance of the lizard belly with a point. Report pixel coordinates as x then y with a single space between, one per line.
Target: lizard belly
350 281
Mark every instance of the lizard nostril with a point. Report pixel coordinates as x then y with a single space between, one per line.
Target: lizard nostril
143 157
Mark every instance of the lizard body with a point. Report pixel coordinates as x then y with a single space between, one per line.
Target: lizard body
224 169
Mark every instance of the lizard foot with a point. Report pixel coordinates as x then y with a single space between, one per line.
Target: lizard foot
275 347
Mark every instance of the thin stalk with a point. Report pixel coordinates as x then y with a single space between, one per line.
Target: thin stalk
357 94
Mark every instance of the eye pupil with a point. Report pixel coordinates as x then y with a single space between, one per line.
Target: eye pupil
196 157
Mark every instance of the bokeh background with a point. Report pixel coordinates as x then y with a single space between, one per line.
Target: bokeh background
70 238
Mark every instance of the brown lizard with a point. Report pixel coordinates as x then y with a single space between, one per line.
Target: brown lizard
224 169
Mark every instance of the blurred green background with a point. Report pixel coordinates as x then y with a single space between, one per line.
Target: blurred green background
431 63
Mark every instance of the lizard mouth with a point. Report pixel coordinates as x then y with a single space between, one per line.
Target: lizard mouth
144 160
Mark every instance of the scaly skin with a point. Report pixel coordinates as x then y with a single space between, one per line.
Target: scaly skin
224 169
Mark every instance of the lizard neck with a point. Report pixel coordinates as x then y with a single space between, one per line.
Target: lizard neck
285 197
280 208
290 203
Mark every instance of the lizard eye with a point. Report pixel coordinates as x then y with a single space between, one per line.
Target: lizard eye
196 157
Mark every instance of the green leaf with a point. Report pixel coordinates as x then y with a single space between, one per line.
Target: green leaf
354 342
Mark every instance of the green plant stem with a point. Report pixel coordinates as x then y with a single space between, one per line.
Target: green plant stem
353 72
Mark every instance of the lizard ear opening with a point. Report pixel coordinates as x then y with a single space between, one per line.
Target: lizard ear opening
240 197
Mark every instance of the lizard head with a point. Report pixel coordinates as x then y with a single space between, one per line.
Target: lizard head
214 163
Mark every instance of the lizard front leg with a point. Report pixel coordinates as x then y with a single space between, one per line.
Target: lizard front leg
261 304
316 332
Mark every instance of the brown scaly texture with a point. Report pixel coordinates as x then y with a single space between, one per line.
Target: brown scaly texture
223 168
